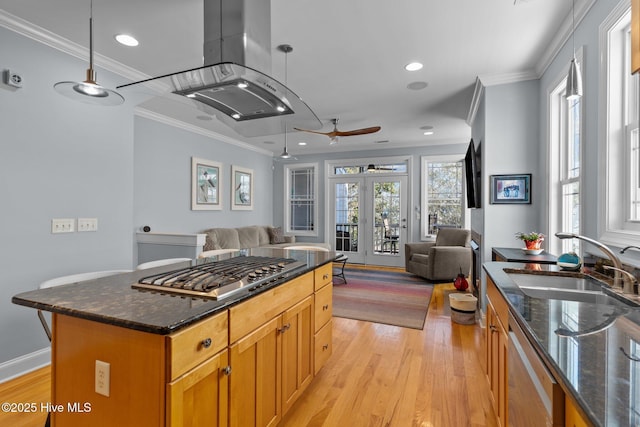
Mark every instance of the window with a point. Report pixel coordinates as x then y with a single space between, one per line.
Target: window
442 196
565 159
301 189
619 154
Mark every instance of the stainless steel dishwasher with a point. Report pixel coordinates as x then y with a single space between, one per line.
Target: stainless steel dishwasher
534 397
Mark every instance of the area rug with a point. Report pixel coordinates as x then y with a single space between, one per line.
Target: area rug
392 298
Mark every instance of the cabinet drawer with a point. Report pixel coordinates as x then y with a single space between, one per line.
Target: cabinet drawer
323 306
499 304
323 275
323 346
189 347
251 314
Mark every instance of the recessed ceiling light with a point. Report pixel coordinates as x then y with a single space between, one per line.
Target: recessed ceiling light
413 66
428 132
302 143
417 85
126 40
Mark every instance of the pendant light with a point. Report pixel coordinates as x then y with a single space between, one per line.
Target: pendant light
286 49
574 77
89 91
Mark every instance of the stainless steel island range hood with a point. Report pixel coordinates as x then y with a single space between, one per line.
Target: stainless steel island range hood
237 89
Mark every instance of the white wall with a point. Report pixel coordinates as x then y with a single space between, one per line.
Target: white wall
58 159
162 176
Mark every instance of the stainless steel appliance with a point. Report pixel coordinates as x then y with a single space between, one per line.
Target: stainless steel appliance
535 398
221 279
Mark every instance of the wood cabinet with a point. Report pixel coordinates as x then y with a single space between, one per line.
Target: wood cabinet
572 417
197 362
206 383
496 348
273 364
323 347
297 351
245 366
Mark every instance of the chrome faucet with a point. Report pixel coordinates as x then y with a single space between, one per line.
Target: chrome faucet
628 247
614 259
629 279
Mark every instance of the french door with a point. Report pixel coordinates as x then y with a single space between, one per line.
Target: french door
369 218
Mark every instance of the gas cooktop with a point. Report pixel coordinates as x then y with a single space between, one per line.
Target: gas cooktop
221 279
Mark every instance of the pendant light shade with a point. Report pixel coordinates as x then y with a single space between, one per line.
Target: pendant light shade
574 82
286 49
88 91
573 89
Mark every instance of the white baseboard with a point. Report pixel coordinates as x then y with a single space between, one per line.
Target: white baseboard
24 364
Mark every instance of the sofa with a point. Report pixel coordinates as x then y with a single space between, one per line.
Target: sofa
224 240
443 259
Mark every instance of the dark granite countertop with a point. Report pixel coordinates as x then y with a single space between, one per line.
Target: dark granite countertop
519 255
599 367
112 300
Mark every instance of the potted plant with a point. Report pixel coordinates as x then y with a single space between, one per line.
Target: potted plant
533 240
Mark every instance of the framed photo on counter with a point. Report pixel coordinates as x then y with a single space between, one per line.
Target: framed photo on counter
206 180
241 188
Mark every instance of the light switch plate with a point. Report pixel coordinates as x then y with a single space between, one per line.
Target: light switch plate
62 225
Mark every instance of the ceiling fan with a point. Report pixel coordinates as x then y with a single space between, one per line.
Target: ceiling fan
335 133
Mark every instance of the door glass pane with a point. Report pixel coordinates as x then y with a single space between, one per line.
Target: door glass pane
386 214
347 216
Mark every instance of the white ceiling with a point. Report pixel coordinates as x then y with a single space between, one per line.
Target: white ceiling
348 58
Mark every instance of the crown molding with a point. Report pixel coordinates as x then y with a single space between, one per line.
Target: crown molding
161 118
48 38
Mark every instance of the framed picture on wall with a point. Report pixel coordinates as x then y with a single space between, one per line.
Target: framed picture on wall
511 189
206 180
241 188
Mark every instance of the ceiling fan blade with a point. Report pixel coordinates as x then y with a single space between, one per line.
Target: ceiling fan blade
357 131
314 131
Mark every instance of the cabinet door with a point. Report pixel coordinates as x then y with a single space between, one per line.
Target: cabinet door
497 363
297 351
208 383
255 378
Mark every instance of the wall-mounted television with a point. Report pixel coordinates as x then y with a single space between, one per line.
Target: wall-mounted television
471 173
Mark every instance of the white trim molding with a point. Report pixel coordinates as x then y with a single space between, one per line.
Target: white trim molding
24 364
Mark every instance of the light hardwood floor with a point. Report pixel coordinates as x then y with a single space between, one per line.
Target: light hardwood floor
378 375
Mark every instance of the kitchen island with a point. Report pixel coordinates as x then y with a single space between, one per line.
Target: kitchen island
123 356
589 343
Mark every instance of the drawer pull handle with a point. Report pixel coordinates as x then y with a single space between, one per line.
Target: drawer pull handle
325 277
226 370
325 307
206 343
493 328
285 328
325 347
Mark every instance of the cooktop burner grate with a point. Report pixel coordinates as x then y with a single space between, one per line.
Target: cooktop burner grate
220 279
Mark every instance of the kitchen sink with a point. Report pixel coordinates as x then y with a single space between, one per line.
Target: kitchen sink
556 283
566 288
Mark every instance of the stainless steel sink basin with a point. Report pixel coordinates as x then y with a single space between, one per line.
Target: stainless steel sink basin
566 288
556 283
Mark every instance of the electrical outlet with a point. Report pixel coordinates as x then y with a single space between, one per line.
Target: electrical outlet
63 225
87 224
103 373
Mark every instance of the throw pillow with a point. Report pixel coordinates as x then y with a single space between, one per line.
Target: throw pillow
277 235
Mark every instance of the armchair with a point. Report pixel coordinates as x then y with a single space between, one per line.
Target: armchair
442 259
